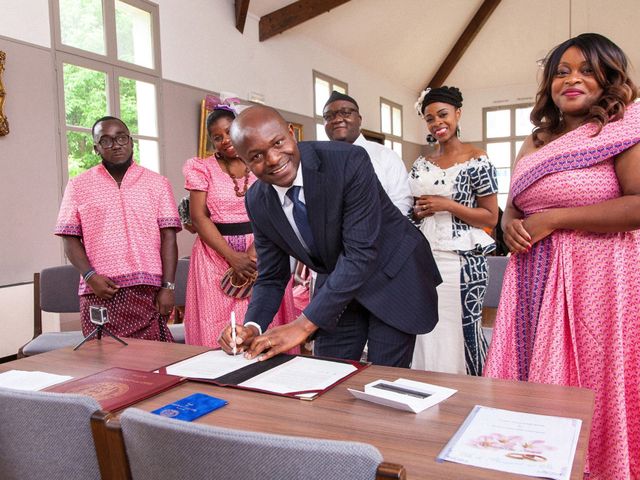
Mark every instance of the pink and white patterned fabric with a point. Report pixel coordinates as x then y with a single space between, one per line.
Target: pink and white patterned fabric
207 309
570 308
120 227
132 314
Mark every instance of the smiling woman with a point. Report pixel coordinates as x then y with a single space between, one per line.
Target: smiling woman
569 308
455 198
223 258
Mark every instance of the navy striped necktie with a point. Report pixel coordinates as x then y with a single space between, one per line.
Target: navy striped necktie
301 218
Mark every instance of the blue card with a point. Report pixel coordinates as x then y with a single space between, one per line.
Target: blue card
191 407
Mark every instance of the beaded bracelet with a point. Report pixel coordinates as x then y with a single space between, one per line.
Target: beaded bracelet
88 274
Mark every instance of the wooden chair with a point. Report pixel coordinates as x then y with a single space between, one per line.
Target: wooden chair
143 446
56 290
45 436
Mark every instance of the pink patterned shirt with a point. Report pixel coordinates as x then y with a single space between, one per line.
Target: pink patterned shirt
120 227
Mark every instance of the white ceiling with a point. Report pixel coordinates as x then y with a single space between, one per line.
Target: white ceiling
407 40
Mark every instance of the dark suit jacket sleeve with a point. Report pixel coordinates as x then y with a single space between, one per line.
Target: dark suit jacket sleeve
274 272
361 217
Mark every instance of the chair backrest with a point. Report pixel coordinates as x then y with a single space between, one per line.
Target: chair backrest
497 266
59 289
182 273
159 447
46 436
55 290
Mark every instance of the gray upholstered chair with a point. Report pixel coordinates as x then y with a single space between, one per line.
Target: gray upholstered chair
182 273
497 266
46 436
163 448
55 290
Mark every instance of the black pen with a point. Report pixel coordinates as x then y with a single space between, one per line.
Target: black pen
401 390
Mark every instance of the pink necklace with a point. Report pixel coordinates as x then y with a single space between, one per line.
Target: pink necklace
236 187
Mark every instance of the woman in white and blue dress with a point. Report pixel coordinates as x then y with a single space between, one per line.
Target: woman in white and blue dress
455 192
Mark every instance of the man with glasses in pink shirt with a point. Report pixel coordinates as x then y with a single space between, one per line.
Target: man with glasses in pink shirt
118 222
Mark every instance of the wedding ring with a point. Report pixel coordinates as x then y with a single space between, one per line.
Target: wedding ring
269 340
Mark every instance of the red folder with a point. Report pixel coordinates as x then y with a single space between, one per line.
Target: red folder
117 388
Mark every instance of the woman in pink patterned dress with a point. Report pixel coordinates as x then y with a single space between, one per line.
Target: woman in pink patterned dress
217 187
570 307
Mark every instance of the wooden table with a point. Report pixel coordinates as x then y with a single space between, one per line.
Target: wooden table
413 440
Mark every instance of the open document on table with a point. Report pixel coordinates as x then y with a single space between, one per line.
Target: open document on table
515 442
288 375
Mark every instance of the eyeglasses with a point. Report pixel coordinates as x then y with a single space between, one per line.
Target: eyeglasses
343 113
107 142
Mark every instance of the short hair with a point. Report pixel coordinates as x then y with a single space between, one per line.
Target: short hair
217 114
104 119
237 133
609 64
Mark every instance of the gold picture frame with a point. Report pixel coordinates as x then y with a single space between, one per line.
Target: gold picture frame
4 123
298 131
205 148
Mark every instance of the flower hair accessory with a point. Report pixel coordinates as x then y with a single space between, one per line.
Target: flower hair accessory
212 102
418 104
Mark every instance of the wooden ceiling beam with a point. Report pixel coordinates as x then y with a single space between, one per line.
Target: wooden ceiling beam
242 7
474 27
294 14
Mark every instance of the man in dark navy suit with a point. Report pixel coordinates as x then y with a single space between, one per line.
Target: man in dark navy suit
321 202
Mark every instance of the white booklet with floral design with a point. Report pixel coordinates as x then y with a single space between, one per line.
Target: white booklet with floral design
515 442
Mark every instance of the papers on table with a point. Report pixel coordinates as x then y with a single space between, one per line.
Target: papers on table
515 442
288 375
300 374
403 394
209 365
24 380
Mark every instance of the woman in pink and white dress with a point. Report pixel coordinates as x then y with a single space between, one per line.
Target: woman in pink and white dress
569 311
217 186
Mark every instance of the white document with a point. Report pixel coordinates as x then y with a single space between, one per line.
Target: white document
24 380
403 394
515 442
300 374
209 365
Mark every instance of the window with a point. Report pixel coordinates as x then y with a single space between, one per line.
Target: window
323 85
391 125
504 131
107 55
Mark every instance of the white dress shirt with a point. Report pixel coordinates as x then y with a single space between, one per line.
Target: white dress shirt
390 171
287 203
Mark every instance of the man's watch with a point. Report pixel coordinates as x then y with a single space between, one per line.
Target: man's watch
169 285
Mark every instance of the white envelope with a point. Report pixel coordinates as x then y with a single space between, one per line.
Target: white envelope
403 394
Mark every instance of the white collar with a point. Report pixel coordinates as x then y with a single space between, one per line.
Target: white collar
361 141
282 191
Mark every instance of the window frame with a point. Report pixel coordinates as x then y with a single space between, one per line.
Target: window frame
512 138
109 18
113 68
319 121
389 136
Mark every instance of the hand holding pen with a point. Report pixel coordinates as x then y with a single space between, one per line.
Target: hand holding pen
233 332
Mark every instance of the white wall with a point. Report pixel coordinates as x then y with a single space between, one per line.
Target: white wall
201 47
26 20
